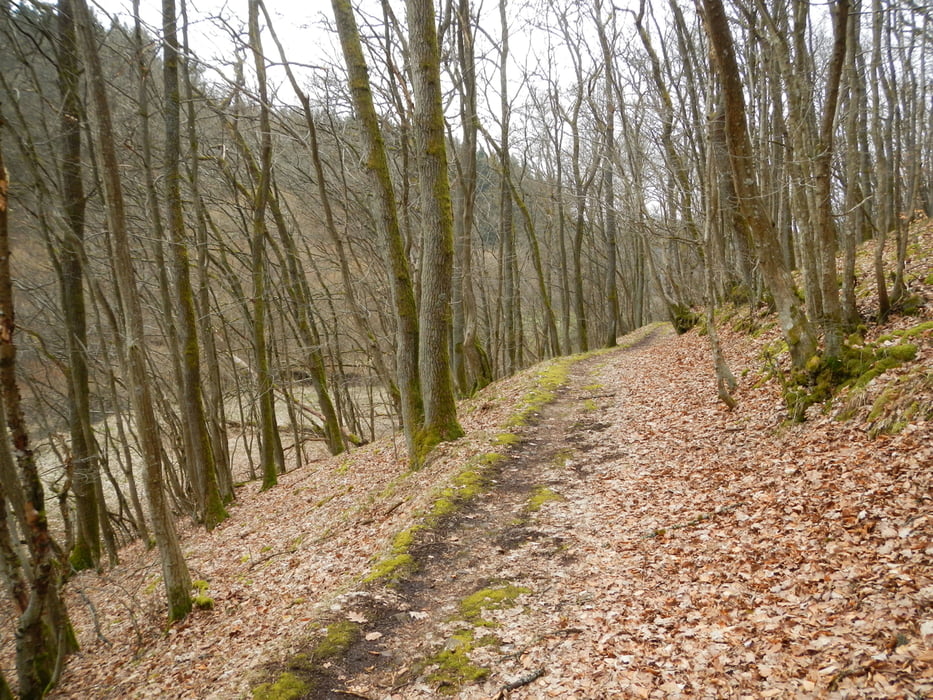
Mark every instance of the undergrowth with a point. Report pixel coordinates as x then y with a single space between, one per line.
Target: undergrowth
823 378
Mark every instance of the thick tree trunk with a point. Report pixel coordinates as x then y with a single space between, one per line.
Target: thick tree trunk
5 692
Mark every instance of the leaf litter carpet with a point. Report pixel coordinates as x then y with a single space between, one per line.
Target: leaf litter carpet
681 550
696 552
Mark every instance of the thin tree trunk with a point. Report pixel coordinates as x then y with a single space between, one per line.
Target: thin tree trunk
476 371
213 388
796 328
174 569
832 309
510 285
86 552
271 460
855 211
609 203
884 191
201 453
43 630
400 280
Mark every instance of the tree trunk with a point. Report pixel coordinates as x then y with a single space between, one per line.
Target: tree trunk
510 285
86 552
271 460
795 326
201 454
609 202
855 211
832 309
435 322
476 372
400 281
174 569
43 630
5 692
213 388
884 191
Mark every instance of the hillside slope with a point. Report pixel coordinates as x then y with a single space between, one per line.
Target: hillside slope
628 537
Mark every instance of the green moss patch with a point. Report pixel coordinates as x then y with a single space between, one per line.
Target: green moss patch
506 439
857 366
392 568
493 598
539 497
305 669
466 485
683 318
561 457
288 686
550 378
200 599
453 666
340 636
921 329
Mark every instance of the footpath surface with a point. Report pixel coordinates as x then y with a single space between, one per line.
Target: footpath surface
642 541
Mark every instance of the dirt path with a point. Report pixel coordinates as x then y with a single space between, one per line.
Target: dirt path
505 543
642 541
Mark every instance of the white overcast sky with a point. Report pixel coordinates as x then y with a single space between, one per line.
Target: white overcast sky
297 24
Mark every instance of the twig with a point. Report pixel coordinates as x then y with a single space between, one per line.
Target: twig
843 674
654 532
349 694
97 630
389 511
524 680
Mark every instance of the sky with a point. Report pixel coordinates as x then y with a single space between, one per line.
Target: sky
212 25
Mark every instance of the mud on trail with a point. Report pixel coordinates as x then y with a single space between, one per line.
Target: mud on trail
438 629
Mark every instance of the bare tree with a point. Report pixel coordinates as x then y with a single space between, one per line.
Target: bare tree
400 279
174 569
43 632
796 328
86 553
200 452
435 314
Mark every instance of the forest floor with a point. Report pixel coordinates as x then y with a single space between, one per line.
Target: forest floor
631 537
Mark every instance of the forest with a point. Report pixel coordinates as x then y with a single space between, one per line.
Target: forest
217 271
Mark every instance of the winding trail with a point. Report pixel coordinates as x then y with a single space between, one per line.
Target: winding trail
679 550
509 535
